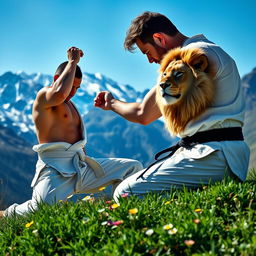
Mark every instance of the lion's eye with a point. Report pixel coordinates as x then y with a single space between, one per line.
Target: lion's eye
164 74
178 75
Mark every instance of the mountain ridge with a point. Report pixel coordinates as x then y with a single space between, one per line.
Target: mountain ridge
121 138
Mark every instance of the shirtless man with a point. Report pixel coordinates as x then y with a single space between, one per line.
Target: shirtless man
63 168
56 118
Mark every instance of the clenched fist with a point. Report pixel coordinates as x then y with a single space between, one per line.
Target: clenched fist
103 100
74 54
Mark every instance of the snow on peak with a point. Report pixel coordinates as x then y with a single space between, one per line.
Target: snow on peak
38 76
98 75
6 106
21 73
93 88
117 92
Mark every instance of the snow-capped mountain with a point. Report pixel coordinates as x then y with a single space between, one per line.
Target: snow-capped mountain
18 91
108 134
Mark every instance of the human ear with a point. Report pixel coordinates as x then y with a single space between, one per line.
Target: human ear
55 77
159 39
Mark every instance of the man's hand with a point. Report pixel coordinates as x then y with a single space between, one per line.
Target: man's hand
103 100
74 54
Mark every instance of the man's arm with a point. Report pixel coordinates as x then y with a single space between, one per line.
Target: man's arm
144 113
61 88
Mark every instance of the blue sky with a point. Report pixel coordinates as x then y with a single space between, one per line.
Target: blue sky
35 34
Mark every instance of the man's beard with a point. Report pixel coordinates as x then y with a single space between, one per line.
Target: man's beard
160 51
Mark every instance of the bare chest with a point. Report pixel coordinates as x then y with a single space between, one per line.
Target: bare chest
67 113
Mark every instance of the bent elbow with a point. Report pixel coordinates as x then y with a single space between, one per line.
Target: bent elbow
144 120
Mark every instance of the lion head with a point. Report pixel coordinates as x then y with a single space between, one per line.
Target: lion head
185 87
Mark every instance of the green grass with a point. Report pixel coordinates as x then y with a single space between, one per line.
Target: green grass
225 225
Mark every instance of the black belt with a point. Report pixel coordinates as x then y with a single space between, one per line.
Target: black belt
222 134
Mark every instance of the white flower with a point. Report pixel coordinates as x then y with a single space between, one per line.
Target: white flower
172 231
101 210
149 232
35 232
168 226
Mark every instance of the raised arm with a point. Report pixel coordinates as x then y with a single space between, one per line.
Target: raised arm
61 88
144 113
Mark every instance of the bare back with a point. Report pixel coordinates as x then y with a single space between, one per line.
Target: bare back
56 123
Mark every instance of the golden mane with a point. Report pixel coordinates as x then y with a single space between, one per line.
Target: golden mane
196 88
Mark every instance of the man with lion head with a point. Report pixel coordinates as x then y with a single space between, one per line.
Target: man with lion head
199 94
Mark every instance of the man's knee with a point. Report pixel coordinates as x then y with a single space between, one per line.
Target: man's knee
136 166
124 187
119 190
43 196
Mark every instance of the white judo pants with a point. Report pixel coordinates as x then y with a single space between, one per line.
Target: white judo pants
51 186
177 172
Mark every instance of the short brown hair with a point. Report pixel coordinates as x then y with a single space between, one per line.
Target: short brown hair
144 26
62 66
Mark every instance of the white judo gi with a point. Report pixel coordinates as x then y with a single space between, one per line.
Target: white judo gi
64 169
204 162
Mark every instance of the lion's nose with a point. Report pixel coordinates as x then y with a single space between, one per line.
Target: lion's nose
164 85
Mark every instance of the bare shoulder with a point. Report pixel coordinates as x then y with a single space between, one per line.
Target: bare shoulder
41 112
40 99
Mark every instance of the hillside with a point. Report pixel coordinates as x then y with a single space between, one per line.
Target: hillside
220 220
17 166
121 138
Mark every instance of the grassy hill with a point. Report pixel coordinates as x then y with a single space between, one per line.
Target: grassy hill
214 220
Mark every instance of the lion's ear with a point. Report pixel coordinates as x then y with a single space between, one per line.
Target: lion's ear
199 62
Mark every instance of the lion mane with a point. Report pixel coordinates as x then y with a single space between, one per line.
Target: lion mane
185 87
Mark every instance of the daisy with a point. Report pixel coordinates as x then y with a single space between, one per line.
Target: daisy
149 232
168 226
172 231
